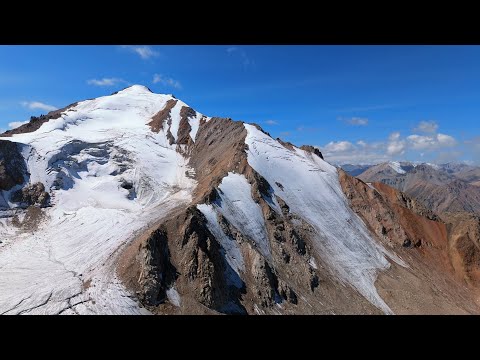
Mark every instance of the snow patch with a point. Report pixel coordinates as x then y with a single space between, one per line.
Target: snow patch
233 253
194 125
395 165
237 206
312 263
173 296
175 118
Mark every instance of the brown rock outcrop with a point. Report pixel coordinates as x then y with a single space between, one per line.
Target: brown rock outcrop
313 150
158 119
422 240
32 194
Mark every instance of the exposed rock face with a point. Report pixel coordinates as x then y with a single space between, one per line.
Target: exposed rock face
184 127
35 122
312 149
219 148
464 235
157 120
32 194
12 165
157 273
422 240
184 255
392 215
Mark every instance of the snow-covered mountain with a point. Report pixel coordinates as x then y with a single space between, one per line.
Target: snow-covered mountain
135 203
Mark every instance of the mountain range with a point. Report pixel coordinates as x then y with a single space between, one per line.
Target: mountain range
442 188
135 203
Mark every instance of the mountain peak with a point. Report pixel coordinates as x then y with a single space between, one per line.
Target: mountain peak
137 88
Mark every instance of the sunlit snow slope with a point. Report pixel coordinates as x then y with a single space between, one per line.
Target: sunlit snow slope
311 189
110 176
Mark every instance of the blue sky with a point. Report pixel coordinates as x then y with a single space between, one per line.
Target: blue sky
359 104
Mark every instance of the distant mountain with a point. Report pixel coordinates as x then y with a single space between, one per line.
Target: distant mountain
442 188
354 170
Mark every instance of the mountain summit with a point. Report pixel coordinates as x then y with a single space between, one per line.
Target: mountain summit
135 203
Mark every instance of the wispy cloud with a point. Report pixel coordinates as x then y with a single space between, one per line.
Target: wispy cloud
15 124
354 121
285 133
106 82
427 127
246 60
271 122
37 105
166 81
145 52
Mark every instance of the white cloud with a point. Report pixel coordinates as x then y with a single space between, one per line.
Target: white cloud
15 124
431 142
339 146
427 127
396 148
395 145
446 140
105 82
37 105
362 152
145 52
166 81
355 121
394 136
271 122
343 152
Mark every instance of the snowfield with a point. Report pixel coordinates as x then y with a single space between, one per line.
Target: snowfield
111 177
311 189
